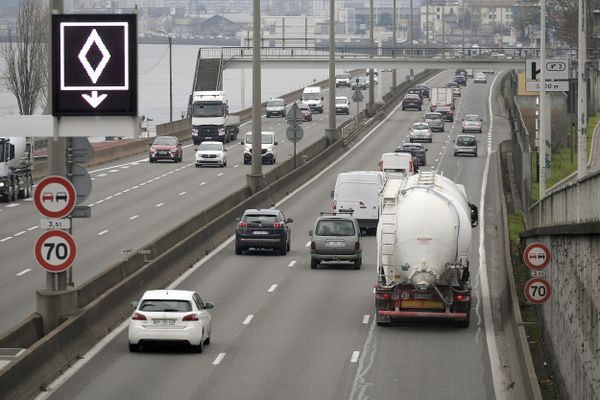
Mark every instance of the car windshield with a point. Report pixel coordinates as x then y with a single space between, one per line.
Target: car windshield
420 126
452 84
411 96
260 219
342 76
210 146
335 228
275 103
472 118
465 141
264 139
165 141
341 101
162 305
443 109
207 109
311 96
433 116
411 147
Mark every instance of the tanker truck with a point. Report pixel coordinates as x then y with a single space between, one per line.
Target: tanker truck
423 245
16 160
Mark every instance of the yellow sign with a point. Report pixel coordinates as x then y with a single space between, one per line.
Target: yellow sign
522 90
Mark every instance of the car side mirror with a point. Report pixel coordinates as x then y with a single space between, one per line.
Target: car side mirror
134 304
276 143
310 233
474 215
289 221
331 194
453 141
209 306
196 149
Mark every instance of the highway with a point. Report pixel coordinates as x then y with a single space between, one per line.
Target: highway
133 203
284 331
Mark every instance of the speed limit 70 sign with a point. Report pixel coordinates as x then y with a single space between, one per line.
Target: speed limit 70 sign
55 250
537 290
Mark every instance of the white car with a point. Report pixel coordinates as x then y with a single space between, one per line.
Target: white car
420 132
178 316
472 123
211 153
480 77
341 105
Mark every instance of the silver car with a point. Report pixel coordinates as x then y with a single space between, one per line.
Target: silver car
465 144
472 123
420 132
435 121
335 238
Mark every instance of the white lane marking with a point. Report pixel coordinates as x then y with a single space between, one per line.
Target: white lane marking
142 184
126 190
221 174
117 166
236 165
272 288
32 228
125 167
24 272
135 187
178 169
150 180
103 232
5 239
19 234
203 183
373 290
108 198
182 193
292 263
354 357
307 244
159 205
114 170
366 319
118 194
100 202
219 358
28 199
100 175
134 217
12 205
248 319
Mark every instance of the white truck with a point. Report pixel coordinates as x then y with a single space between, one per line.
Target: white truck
16 163
441 96
211 120
423 245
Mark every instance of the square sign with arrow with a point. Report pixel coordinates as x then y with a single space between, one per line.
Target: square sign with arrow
94 62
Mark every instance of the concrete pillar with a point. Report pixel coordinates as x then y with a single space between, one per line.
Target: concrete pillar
55 306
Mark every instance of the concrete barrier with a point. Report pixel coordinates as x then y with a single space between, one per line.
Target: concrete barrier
24 334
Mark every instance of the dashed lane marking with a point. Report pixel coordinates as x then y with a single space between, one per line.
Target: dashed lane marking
292 263
133 217
307 244
159 205
248 319
272 288
354 357
5 239
24 272
19 234
219 358
365 319
32 228
182 193
102 232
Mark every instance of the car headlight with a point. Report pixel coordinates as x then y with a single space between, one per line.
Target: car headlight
221 131
195 131
1 184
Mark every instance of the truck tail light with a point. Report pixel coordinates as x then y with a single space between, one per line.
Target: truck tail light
277 225
383 296
139 317
313 245
243 224
190 317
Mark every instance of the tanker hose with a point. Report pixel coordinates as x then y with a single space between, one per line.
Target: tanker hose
441 296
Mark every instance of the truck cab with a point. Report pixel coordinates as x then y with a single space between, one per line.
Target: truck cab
211 119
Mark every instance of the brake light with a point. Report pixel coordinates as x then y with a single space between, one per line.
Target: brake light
313 245
356 246
383 296
410 166
243 224
461 297
381 165
191 317
139 317
278 225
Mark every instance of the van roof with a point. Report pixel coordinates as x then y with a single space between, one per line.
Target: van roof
312 89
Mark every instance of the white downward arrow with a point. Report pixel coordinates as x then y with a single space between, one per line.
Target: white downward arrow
94 99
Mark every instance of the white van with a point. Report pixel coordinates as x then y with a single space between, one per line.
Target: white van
267 145
357 192
397 163
313 96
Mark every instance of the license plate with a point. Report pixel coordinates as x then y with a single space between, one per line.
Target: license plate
163 152
335 244
422 304
260 233
421 295
163 321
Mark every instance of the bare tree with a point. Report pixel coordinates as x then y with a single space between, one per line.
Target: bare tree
26 57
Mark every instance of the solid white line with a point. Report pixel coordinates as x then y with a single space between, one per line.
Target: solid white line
292 263
118 194
354 357
126 190
182 193
272 288
248 319
142 184
32 228
5 239
24 272
221 174
100 202
307 244
159 205
103 232
108 198
219 358
19 234
366 319
134 217
135 187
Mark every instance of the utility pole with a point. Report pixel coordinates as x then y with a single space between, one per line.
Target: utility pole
394 41
581 92
170 79
543 104
427 24
464 24
331 132
255 177
371 103
443 31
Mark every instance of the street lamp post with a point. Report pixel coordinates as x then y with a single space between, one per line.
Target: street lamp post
170 80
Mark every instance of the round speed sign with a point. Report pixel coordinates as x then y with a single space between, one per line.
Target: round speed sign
55 250
537 290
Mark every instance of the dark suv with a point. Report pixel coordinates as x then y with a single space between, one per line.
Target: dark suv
263 229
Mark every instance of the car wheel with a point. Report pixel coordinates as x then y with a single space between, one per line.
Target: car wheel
357 263
475 154
197 165
454 154
238 248
465 323
314 263
274 160
430 140
289 246
207 340
151 160
199 348
134 348
283 250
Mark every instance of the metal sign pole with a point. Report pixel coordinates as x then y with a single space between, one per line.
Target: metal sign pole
294 155
581 93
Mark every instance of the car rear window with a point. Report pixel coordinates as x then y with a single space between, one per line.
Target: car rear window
465 141
433 116
472 118
165 306
275 103
260 219
420 126
335 228
165 141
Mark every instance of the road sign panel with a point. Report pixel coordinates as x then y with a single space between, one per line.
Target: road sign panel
81 212
357 96
537 290
555 69
294 133
54 197
295 116
55 251
536 256
81 150
94 64
63 223
551 86
82 183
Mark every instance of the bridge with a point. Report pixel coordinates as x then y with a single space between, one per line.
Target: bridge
346 57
